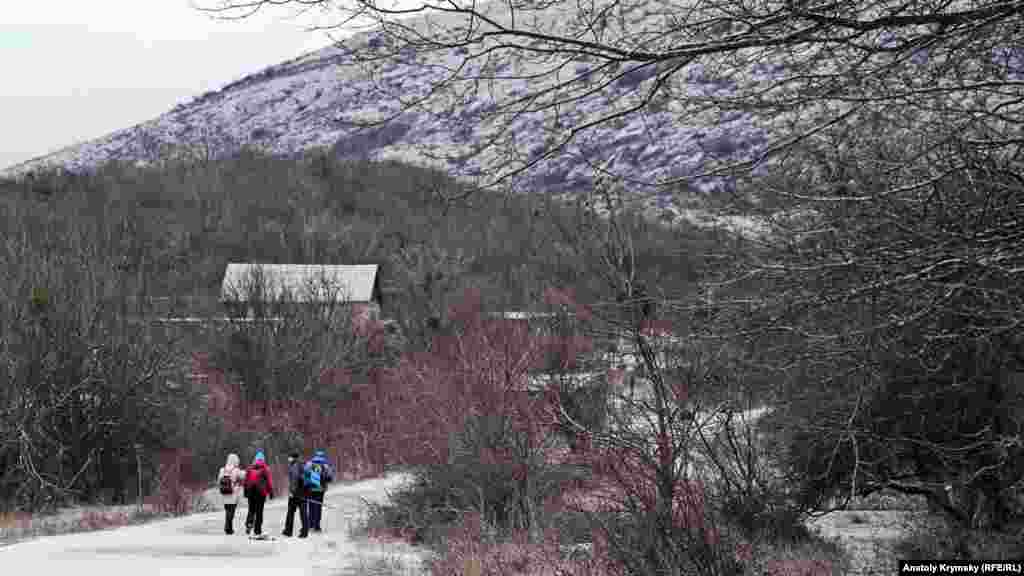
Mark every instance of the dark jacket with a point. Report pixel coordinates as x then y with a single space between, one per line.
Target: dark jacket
296 486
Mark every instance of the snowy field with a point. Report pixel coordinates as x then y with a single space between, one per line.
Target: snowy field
197 546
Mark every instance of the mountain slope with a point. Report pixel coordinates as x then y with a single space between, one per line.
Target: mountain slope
316 101
664 98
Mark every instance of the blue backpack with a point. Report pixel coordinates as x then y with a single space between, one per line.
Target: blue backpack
314 476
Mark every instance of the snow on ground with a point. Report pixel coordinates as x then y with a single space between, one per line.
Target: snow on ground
870 537
197 546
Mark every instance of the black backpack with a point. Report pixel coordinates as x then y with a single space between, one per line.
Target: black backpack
227 484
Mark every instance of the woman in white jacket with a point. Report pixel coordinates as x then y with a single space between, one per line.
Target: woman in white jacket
235 476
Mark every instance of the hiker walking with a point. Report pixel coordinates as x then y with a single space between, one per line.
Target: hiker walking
296 497
317 474
258 487
229 481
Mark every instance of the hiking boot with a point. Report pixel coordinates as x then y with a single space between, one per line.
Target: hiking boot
286 534
248 529
303 534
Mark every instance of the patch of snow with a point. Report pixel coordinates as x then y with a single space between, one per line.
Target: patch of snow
869 537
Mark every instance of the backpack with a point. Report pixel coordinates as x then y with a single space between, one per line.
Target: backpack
227 484
255 481
314 477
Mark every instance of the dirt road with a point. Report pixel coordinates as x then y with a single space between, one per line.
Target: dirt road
197 546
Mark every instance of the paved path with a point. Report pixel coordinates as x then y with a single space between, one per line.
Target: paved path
869 536
197 546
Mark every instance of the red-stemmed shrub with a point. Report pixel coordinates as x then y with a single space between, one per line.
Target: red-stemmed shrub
178 490
101 520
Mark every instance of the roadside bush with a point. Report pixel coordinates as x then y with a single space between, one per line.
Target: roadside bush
573 527
744 486
478 441
102 520
470 546
775 521
414 513
13 523
586 406
441 494
178 491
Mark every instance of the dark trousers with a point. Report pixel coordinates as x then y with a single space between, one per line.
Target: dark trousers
254 519
296 503
316 500
229 518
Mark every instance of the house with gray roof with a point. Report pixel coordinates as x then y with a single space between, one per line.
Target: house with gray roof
259 289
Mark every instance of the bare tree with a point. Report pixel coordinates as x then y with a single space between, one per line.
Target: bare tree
551 83
894 313
680 478
82 382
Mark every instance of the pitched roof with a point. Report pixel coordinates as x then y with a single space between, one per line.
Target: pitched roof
302 282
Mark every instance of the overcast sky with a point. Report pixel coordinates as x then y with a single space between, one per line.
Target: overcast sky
73 70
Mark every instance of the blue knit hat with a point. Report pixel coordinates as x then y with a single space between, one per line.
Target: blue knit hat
259 458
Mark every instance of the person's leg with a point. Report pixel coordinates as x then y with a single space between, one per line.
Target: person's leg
318 514
303 516
258 520
289 516
250 516
320 511
228 513
312 508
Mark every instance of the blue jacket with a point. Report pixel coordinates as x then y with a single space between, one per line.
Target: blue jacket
326 474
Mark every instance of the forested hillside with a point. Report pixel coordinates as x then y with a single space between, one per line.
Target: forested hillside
84 254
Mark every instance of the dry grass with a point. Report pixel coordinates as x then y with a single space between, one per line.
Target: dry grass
888 500
99 520
470 553
355 470
517 556
179 500
383 566
19 526
813 558
13 521
471 549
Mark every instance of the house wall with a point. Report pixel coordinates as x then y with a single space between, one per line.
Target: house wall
360 310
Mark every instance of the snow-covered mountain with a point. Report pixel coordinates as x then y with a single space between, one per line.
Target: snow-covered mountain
314 100
284 108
